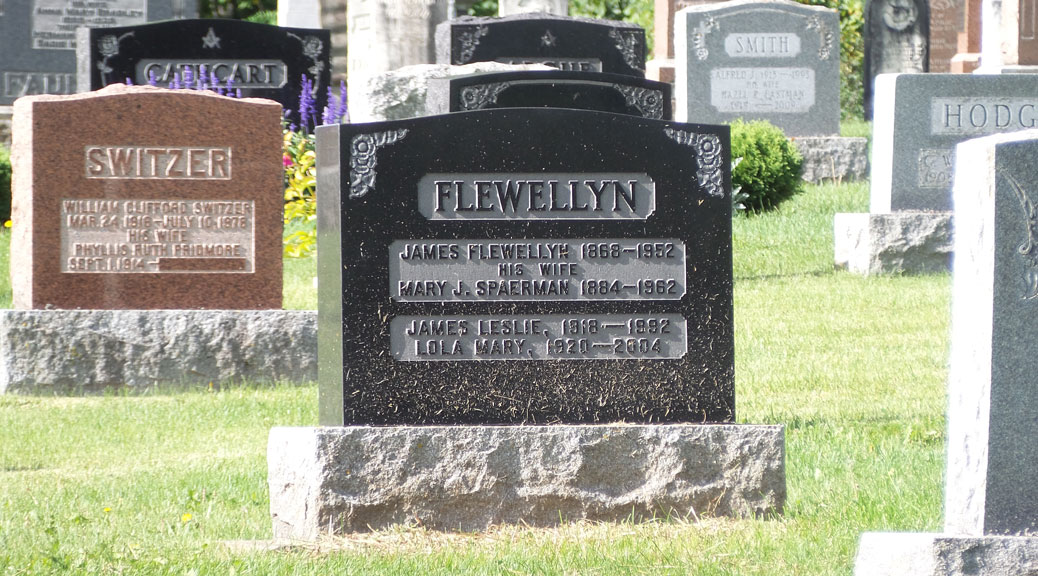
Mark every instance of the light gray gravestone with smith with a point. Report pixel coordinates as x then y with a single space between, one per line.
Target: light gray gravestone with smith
991 496
38 38
777 61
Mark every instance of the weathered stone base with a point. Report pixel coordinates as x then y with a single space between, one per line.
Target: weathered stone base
833 158
897 242
76 351
918 554
336 480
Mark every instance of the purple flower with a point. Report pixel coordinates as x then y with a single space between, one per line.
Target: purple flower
189 77
307 115
342 113
129 81
152 79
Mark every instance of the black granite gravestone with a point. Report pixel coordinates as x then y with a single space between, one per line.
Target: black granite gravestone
38 44
576 44
524 266
897 40
599 91
263 61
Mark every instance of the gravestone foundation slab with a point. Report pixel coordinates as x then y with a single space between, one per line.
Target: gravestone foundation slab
328 481
909 242
90 351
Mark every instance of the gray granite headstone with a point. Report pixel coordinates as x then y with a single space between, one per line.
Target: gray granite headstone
777 61
37 38
897 40
992 479
921 117
991 496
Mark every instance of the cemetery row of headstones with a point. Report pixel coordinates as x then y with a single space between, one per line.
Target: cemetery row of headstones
497 266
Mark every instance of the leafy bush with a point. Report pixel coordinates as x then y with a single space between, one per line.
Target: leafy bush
852 53
768 169
300 188
5 184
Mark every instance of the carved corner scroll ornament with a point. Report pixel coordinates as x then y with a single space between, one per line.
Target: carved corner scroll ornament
480 96
708 159
108 46
468 39
648 101
708 25
628 43
1028 249
312 48
363 159
825 37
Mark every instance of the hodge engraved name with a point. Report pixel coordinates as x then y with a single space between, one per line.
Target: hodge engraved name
158 162
535 196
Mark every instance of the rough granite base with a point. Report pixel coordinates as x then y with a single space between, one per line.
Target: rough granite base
77 351
833 158
337 480
893 243
920 554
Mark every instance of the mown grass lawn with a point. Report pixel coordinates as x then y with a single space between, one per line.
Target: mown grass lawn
853 367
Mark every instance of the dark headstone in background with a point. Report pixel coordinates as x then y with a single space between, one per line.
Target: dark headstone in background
427 286
265 61
37 38
599 91
577 44
897 40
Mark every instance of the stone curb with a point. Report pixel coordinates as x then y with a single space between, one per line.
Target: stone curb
336 480
893 243
923 554
83 351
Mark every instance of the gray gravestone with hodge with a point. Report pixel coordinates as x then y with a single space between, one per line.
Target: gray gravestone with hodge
263 61
777 61
599 91
543 269
991 497
921 117
575 44
38 40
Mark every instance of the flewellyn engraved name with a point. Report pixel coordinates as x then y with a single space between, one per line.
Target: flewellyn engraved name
158 162
537 196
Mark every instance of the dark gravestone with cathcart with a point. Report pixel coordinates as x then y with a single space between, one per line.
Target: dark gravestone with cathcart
567 43
897 41
535 303
263 61
38 38
599 91
991 498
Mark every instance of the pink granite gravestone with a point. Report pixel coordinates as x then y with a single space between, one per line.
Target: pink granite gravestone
145 198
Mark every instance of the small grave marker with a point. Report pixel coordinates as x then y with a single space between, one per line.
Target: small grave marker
146 198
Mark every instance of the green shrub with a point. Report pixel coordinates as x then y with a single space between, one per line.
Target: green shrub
768 171
5 184
852 53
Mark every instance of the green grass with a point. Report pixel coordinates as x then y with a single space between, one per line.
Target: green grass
853 367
